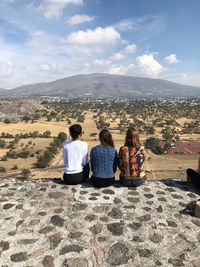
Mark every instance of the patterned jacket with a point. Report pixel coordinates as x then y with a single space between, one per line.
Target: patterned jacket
131 162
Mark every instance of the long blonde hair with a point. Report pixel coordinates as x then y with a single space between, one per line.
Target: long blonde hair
132 138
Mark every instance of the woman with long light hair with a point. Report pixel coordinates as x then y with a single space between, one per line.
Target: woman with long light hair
131 160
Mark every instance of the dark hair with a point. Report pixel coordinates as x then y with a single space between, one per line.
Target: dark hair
132 138
75 130
105 138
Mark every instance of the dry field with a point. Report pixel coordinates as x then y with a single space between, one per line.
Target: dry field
157 167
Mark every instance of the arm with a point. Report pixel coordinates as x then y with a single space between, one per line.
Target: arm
91 160
143 153
85 157
115 163
119 160
64 156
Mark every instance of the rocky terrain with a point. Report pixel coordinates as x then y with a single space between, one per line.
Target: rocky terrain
19 108
44 223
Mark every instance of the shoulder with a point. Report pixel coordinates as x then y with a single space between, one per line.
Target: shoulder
83 143
95 149
113 150
66 143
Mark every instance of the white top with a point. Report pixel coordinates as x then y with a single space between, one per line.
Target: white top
75 156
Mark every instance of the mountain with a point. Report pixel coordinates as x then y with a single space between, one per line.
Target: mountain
3 92
106 85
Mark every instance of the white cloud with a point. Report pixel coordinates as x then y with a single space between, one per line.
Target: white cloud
78 19
54 8
148 66
94 37
118 56
172 59
101 63
9 72
130 49
37 34
122 70
184 77
125 25
47 67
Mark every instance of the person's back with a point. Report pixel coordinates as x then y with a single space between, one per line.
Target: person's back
103 160
131 160
75 157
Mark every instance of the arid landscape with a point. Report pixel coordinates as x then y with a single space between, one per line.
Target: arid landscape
29 126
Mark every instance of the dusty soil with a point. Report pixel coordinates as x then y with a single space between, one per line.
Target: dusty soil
157 167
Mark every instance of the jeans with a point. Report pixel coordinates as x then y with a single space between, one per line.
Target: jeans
102 182
77 178
132 182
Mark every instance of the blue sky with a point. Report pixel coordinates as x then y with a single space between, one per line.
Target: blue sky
44 40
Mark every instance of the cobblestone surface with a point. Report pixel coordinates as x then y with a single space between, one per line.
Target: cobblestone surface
43 223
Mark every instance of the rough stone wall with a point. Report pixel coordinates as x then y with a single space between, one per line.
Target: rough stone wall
47 224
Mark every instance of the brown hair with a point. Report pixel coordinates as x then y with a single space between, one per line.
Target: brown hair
105 138
132 138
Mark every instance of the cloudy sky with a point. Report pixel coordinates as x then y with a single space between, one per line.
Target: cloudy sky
44 40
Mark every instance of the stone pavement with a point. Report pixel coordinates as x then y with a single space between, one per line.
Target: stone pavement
44 223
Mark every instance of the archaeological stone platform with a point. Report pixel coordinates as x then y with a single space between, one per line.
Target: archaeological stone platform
47 224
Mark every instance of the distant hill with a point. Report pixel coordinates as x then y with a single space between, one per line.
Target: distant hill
3 91
106 85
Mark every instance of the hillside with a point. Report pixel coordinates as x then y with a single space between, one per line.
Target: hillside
106 85
3 92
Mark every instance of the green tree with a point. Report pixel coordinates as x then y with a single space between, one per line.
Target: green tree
25 173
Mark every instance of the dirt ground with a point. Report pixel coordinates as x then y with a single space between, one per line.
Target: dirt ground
156 166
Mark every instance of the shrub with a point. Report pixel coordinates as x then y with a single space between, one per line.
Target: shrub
25 173
153 144
2 169
4 158
12 154
7 121
2 144
47 134
15 167
23 154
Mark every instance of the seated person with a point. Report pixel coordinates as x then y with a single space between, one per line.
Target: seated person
103 161
194 176
75 157
131 160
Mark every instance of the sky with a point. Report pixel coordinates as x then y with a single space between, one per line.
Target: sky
45 40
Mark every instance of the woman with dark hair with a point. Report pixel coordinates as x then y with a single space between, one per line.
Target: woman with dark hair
131 160
75 157
103 161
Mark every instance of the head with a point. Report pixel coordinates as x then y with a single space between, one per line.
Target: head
132 138
105 138
75 131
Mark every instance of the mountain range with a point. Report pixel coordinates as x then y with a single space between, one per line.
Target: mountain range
104 85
